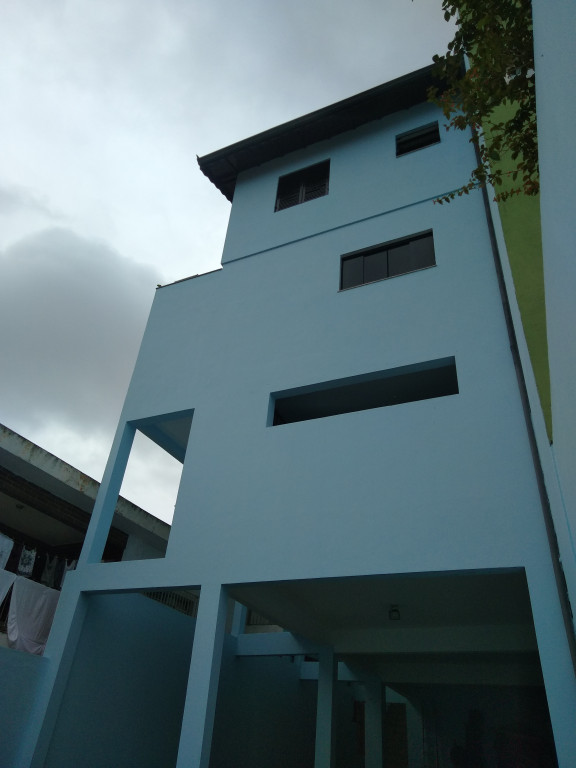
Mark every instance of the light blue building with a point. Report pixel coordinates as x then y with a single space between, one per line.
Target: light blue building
359 466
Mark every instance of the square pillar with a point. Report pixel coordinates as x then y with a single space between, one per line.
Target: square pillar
327 677
556 661
373 718
200 705
61 648
105 504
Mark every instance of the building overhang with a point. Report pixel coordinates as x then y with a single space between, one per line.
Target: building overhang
223 166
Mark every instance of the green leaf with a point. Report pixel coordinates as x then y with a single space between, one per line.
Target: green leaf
496 97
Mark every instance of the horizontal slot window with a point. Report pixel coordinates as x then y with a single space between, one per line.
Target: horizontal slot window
408 383
421 137
387 260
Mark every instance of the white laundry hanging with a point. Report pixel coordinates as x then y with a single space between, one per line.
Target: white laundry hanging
30 616
6 544
6 581
27 560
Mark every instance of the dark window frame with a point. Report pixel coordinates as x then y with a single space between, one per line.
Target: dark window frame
385 248
303 185
418 138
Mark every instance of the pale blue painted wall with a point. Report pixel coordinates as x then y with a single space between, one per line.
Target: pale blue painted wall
20 677
555 63
125 693
266 715
443 484
366 178
454 471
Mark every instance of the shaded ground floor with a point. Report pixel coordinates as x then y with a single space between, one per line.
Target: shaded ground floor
392 671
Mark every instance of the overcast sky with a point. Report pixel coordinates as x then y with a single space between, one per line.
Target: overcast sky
105 105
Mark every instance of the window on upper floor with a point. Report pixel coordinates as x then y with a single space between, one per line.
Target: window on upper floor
301 186
387 260
419 138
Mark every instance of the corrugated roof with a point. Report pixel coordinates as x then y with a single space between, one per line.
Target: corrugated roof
223 166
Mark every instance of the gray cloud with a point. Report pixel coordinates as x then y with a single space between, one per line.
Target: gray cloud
219 69
20 200
104 110
72 313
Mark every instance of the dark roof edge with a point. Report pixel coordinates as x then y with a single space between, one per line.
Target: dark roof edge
223 166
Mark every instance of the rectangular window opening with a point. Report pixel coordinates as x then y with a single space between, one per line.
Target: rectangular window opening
145 506
408 383
302 186
421 137
380 262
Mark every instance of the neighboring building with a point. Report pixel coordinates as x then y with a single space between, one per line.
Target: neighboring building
45 507
359 467
46 504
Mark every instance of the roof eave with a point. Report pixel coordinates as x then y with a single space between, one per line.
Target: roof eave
223 166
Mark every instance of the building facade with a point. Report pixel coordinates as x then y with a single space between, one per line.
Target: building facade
358 466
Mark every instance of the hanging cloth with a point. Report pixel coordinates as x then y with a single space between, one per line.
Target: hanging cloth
68 566
27 560
6 581
30 615
6 545
49 572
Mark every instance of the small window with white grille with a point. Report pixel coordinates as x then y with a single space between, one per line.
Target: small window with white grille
302 186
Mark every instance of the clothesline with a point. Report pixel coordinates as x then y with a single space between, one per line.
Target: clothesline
25 560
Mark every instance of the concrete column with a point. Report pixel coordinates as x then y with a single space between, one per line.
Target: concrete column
200 705
60 650
373 718
108 493
555 660
239 619
327 677
554 62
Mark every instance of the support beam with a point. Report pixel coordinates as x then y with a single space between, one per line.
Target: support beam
274 644
373 738
60 649
309 671
327 676
200 705
105 504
